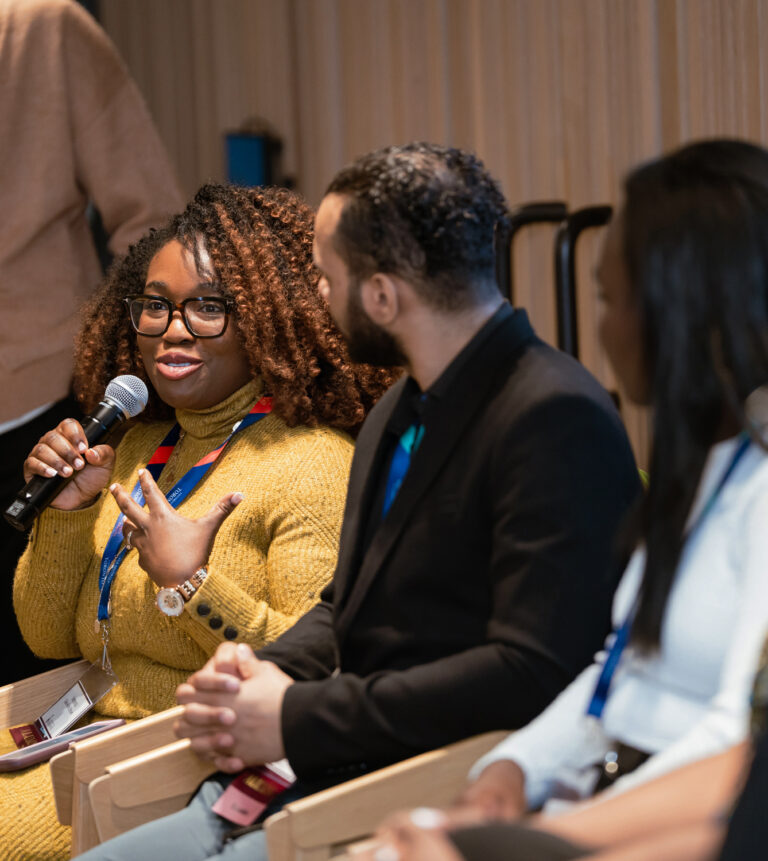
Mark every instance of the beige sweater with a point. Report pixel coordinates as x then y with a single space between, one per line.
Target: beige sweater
74 128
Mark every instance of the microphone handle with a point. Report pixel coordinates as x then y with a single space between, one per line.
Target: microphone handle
38 493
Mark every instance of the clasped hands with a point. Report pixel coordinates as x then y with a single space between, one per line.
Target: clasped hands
232 709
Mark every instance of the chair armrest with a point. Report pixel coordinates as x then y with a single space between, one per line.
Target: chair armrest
62 768
146 787
93 755
62 779
161 782
24 701
88 758
353 809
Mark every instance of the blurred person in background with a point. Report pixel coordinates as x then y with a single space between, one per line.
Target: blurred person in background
75 131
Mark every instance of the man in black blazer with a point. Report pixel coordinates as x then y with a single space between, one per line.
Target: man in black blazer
475 571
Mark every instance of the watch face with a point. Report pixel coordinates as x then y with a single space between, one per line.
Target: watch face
170 602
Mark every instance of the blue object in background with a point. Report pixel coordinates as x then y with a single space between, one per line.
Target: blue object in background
249 159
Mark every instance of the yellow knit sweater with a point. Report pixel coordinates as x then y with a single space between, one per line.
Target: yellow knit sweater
271 559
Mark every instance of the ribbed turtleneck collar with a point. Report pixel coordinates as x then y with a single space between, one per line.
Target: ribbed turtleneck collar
217 421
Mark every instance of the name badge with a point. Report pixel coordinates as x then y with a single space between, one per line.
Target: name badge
68 708
246 798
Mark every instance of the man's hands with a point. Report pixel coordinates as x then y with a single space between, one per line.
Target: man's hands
233 706
171 548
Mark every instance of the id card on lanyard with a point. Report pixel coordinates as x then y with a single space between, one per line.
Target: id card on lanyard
621 637
116 551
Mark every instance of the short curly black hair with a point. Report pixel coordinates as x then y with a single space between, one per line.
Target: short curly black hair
426 212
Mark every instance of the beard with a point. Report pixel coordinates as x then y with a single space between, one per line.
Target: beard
367 343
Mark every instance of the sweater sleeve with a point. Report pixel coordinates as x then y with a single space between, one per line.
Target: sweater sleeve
49 578
304 527
558 743
726 721
120 160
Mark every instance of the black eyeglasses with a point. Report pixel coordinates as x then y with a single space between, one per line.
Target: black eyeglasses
204 316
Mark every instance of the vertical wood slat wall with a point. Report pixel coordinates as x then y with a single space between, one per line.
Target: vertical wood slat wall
559 97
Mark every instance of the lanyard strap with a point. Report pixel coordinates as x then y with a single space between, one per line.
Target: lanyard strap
621 637
115 551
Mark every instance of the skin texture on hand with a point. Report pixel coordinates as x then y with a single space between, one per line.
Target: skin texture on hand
232 709
700 842
702 791
171 547
675 817
64 451
404 841
498 793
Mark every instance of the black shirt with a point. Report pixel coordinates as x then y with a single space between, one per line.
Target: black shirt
415 407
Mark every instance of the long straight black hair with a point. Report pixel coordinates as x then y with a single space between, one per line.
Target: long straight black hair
696 250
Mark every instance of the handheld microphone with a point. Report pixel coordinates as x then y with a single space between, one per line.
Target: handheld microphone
125 397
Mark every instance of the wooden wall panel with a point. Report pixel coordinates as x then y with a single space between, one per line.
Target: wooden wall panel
205 68
559 97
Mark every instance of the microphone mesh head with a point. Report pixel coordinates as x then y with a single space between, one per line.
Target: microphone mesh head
129 393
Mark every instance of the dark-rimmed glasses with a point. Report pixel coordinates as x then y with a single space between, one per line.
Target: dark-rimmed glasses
204 316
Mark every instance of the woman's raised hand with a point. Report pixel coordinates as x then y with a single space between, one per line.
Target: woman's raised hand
171 547
64 451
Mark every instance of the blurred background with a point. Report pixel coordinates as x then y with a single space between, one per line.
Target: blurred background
559 97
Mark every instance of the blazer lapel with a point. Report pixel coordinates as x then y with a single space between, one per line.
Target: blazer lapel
448 423
359 491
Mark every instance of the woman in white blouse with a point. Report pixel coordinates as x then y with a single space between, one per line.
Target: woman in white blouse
684 321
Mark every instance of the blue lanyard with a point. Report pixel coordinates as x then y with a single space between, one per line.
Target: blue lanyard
621 637
115 551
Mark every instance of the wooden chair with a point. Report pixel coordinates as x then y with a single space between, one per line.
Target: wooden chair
145 787
23 702
71 771
311 829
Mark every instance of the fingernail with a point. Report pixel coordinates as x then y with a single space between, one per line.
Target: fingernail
112 487
79 462
244 651
385 852
428 817
237 498
66 470
81 446
226 716
50 471
141 472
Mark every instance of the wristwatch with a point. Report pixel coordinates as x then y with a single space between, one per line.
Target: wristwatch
171 599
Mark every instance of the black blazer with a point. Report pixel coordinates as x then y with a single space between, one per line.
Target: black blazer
487 587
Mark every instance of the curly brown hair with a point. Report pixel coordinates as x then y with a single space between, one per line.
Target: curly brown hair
259 241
